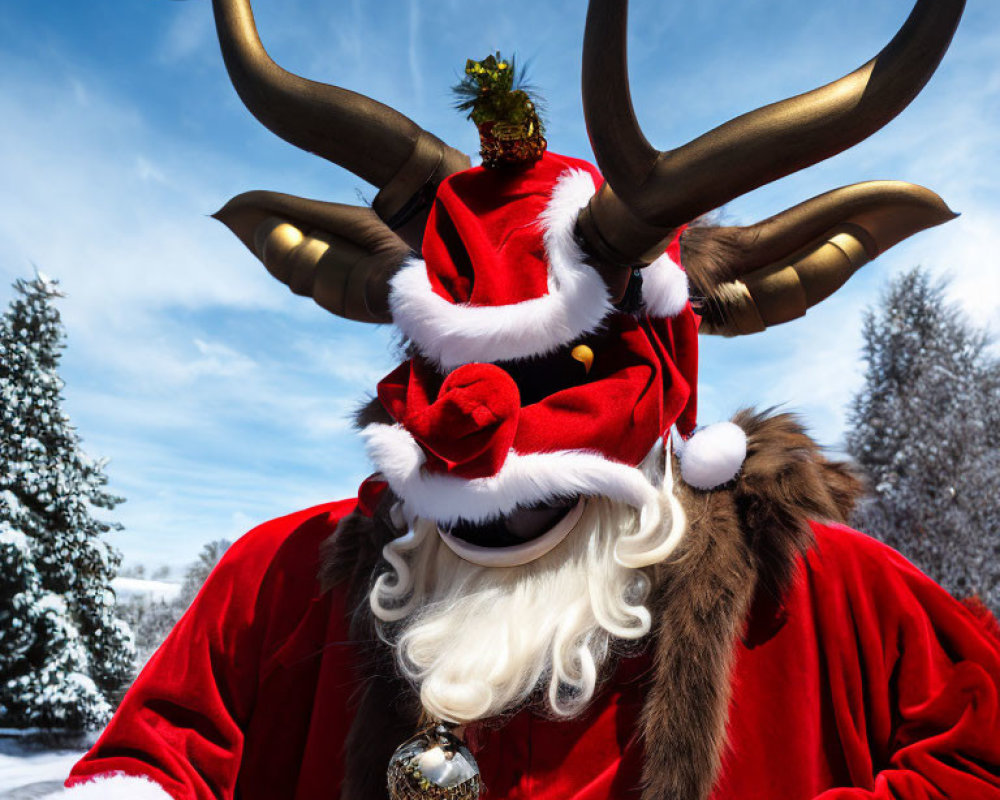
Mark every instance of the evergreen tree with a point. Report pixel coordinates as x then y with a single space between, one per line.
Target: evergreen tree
196 575
19 595
925 429
72 651
151 619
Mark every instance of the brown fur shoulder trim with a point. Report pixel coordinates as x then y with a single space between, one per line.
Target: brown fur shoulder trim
742 538
786 481
387 711
701 602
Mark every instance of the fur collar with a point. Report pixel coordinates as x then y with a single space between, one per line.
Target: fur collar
742 544
742 547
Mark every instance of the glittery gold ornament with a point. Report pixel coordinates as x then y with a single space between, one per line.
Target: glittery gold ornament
433 765
510 132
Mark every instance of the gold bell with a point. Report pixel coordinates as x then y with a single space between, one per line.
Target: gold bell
584 355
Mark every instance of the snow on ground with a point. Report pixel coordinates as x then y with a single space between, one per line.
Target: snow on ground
28 771
128 588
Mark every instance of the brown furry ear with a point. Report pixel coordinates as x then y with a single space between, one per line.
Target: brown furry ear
711 255
785 482
372 411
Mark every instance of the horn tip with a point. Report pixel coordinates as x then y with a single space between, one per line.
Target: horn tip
225 214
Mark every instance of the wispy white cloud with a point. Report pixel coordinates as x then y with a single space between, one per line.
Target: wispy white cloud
101 211
148 171
189 34
973 262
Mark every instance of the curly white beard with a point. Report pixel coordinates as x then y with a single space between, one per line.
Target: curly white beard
478 641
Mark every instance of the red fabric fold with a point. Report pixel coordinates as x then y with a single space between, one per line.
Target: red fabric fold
638 386
465 424
483 234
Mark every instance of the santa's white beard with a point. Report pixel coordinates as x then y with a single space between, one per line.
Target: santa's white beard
478 641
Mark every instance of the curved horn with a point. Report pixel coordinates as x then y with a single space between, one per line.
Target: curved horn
341 256
375 142
649 193
747 279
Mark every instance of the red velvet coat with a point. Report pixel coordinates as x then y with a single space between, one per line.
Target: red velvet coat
877 685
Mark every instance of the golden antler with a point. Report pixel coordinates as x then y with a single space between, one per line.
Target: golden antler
375 142
341 256
649 193
745 279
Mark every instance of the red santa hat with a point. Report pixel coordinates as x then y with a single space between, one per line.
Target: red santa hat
503 277
528 386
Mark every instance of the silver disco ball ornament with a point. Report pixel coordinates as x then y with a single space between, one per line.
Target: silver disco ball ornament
433 764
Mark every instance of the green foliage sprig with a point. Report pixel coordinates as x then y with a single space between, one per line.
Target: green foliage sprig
495 90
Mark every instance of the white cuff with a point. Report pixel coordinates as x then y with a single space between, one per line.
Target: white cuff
524 480
113 786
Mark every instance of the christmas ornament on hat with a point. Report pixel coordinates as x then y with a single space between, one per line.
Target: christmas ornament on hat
504 109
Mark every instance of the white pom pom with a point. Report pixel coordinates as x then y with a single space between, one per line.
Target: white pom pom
713 456
664 288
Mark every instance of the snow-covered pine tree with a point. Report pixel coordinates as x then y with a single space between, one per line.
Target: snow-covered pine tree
19 595
925 429
198 572
72 651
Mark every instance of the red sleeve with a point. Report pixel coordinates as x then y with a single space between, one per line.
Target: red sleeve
182 723
920 718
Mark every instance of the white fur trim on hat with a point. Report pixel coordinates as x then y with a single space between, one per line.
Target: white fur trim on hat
713 456
113 786
524 480
577 302
664 288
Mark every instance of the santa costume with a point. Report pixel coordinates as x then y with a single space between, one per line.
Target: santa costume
555 586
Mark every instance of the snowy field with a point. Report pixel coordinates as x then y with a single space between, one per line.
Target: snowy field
32 771
153 591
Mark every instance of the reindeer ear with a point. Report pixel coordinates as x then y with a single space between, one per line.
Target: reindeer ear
746 279
341 256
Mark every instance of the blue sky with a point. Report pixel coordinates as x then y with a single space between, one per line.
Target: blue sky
223 400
